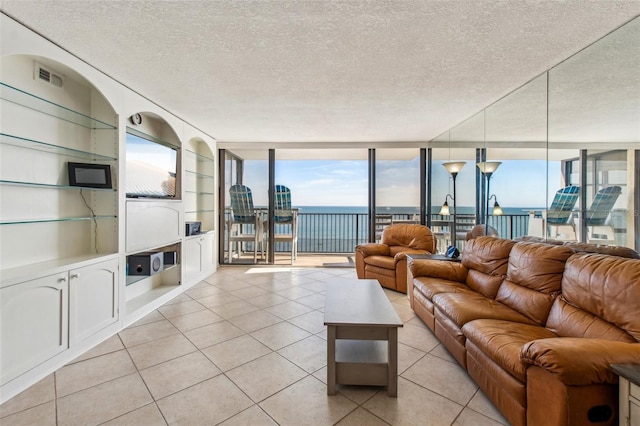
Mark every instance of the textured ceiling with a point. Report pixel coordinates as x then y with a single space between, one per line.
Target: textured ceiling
323 71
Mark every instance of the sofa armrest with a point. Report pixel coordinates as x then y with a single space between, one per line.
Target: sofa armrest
373 249
580 361
452 271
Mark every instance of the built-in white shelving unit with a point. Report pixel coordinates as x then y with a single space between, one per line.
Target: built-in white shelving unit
59 271
65 249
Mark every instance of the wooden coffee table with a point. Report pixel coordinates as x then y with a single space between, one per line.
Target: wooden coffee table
362 343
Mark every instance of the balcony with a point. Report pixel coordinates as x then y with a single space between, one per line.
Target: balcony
329 238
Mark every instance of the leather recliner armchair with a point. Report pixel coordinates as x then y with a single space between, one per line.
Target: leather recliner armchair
387 261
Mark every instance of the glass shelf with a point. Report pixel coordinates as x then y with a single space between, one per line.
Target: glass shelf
152 138
48 185
199 157
36 103
60 219
200 175
55 149
200 192
199 211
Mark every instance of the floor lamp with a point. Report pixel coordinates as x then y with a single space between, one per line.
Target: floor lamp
454 168
487 168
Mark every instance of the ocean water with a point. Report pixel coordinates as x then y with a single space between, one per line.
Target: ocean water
407 210
338 229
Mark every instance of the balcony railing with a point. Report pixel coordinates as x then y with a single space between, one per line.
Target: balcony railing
341 232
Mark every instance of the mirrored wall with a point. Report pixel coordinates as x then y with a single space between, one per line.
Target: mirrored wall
565 145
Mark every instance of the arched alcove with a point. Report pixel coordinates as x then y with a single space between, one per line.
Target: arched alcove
53 117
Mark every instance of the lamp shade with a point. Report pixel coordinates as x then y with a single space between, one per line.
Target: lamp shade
488 166
444 211
497 210
454 167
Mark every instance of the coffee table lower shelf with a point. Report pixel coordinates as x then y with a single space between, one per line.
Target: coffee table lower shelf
362 362
357 361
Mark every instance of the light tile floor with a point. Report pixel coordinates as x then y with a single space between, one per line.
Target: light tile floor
247 346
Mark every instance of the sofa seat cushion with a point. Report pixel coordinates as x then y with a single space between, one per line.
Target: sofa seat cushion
376 272
384 262
429 287
502 342
464 307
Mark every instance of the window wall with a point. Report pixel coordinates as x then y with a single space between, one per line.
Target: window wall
594 111
329 189
459 197
572 128
327 196
244 195
397 187
574 125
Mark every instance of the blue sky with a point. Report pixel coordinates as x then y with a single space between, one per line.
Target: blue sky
517 183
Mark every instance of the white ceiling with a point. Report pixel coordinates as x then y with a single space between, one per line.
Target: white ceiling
323 71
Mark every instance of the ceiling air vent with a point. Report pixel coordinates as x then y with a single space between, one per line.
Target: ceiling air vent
45 75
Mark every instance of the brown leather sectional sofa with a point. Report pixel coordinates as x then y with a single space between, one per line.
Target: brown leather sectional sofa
536 325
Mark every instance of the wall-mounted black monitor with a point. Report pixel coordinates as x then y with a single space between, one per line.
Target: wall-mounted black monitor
150 168
89 175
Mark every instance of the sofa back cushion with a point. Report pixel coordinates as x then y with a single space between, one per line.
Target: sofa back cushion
610 250
407 235
566 320
486 258
606 291
534 275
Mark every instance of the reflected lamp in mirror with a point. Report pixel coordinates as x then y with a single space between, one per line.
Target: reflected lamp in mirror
454 167
488 167
497 210
444 210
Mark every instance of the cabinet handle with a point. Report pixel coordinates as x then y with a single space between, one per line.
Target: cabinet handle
62 279
75 275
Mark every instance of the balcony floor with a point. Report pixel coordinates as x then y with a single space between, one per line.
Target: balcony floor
304 260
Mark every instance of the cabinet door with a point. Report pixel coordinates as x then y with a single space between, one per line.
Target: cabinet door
198 256
192 258
93 299
33 322
207 262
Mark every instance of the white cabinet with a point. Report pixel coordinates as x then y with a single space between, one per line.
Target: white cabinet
44 316
33 321
198 256
93 299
